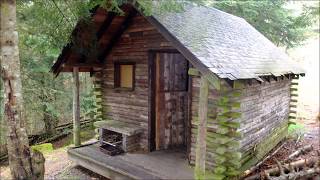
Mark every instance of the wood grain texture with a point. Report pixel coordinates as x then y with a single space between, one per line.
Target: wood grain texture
171 100
133 46
76 107
263 107
202 128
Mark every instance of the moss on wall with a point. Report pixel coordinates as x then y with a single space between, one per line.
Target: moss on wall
255 154
223 141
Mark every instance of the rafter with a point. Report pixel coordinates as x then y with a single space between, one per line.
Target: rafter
115 38
106 24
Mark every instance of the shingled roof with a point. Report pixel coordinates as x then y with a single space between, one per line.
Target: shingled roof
226 44
215 42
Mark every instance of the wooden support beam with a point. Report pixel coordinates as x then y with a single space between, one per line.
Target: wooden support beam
238 84
295 76
275 78
213 79
287 76
292 106
293 100
292 117
76 107
202 128
267 78
105 25
84 65
126 23
292 112
193 72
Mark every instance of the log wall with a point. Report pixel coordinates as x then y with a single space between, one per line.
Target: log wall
264 122
264 110
212 111
133 46
264 107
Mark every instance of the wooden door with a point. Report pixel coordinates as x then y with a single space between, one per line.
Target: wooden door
171 101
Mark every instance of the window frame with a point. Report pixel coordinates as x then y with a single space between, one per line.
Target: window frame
117 76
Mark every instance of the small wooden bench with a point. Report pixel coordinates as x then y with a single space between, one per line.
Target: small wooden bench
130 133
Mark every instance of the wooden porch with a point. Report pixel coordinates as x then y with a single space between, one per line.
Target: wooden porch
155 165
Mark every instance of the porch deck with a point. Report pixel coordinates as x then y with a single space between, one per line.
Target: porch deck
154 165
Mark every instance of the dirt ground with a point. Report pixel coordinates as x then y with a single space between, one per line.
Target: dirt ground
57 166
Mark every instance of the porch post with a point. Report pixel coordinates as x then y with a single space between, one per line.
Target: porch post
76 107
202 129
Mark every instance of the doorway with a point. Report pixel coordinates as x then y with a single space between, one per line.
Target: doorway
170 101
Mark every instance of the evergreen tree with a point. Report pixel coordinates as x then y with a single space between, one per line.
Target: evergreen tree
273 19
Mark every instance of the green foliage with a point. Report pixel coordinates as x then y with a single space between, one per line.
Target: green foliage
199 174
271 17
44 148
296 130
44 27
87 103
85 135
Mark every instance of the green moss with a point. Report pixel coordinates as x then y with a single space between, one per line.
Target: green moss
222 130
220 150
230 124
233 144
44 148
265 146
231 172
220 159
219 170
215 176
296 130
199 174
85 135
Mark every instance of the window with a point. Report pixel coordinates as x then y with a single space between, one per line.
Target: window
124 75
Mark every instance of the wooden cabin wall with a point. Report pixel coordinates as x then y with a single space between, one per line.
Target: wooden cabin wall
133 46
263 123
212 111
264 107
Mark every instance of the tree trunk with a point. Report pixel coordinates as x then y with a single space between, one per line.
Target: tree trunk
21 164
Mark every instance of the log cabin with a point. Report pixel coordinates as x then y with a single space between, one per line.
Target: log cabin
179 95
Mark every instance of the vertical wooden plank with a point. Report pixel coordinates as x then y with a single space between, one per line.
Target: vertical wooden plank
76 107
189 117
124 144
171 104
101 136
202 129
157 102
151 101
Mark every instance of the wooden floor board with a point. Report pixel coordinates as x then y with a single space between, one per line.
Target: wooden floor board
155 165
